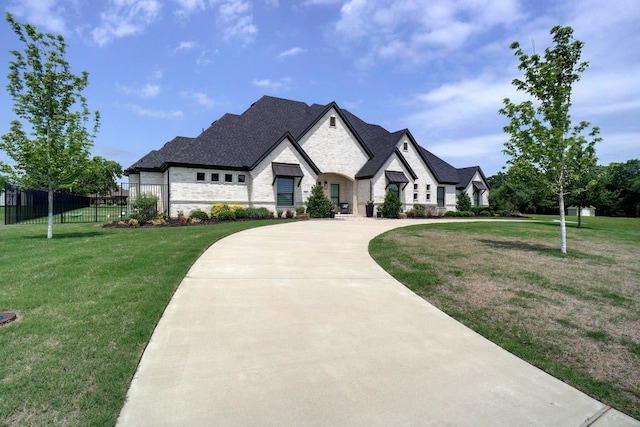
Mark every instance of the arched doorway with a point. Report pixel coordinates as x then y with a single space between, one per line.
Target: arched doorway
340 189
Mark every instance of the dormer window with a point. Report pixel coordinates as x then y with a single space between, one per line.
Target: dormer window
405 146
332 121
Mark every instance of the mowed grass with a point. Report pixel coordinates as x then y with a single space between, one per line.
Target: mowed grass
576 316
88 301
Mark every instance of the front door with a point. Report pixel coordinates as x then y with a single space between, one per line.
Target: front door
335 194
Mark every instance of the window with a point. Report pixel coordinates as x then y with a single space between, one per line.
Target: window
200 176
394 188
428 187
215 177
228 177
241 178
405 146
428 196
441 197
332 121
284 191
415 197
477 197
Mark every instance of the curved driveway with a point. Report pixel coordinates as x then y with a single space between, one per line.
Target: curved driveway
296 325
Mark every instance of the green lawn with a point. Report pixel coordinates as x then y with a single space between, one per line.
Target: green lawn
88 301
576 316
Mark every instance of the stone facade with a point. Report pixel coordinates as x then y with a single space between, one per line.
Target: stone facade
330 152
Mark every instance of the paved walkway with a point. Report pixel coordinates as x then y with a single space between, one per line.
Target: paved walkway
296 325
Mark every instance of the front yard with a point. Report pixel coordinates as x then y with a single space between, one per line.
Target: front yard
575 316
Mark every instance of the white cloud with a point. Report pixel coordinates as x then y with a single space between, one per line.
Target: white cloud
292 52
273 85
47 15
236 20
156 114
415 30
198 98
185 46
206 58
125 18
146 91
187 7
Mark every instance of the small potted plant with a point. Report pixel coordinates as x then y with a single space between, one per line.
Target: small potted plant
379 211
369 208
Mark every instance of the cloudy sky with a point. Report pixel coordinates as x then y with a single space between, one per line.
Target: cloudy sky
441 68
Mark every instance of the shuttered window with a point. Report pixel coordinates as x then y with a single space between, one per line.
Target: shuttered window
285 191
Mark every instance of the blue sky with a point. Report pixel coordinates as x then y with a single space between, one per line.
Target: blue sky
160 69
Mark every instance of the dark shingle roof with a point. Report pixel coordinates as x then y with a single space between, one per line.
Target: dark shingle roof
445 173
241 141
467 174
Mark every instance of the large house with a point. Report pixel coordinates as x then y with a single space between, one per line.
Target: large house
273 153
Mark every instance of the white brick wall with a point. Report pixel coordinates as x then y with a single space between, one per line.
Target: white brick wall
334 149
188 194
422 171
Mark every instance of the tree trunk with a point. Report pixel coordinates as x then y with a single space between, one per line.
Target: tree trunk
563 226
579 216
50 216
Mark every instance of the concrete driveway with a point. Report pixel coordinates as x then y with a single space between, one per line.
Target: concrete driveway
296 325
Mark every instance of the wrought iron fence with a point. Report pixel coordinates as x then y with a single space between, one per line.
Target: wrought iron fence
30 206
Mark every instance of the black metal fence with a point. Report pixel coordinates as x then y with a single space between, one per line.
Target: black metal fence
29 206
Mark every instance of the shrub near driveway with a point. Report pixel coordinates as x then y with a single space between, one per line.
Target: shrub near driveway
88 301
577 316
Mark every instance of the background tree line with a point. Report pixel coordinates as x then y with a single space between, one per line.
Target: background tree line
614 190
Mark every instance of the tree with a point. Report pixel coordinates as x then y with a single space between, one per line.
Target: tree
47 95
463 203
318 204
543 144
622 180
391 206
99 177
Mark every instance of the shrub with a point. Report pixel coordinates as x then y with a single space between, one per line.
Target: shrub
318 204
158 221
300 209
451 214
485 213
258 213
467 214
391 206
144 208
464 202
226 215
201 215
217 207
289 213
419 210
196 220
133 222
411 213
240 212
279 212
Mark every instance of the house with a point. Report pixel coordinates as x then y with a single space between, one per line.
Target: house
272 154
584 211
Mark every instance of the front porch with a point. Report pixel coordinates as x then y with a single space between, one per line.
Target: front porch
341 190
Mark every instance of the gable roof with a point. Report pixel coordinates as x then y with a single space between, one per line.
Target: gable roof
242 141
467 174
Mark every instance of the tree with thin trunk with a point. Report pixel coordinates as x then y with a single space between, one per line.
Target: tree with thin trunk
54 150
544 145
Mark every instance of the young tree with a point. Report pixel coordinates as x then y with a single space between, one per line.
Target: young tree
463 203
543 144
318 204
391 206
48 96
